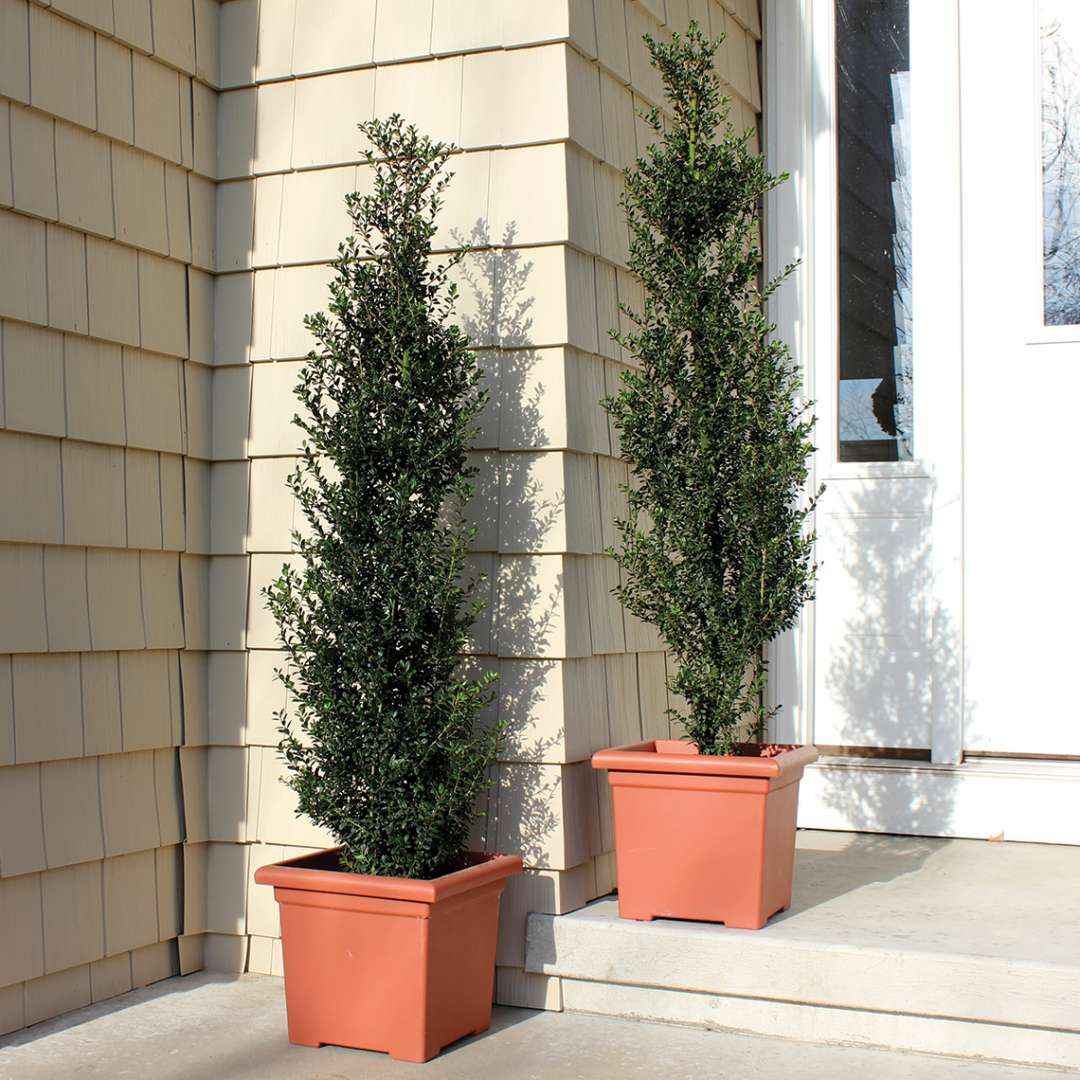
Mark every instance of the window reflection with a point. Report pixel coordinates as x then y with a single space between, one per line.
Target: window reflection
1060 33
874 170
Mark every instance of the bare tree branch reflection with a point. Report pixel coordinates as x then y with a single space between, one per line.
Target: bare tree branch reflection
1061 173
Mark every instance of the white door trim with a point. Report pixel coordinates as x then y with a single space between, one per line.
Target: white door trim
1023 799
802 223
938 285
788 135
1010 799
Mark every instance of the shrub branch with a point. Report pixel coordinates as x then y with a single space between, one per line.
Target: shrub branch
381 737
716 549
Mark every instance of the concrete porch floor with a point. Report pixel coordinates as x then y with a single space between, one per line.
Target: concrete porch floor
959 947
217 1027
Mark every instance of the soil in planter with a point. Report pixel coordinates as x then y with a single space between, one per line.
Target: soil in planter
767 750
330 860
745 749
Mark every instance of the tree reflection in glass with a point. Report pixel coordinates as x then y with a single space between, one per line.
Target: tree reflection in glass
1060 35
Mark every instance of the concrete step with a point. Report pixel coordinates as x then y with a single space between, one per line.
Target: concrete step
940 946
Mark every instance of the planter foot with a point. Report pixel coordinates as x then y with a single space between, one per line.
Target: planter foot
417 1057
753 922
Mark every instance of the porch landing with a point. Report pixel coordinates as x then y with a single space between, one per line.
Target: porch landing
221 1027
960 947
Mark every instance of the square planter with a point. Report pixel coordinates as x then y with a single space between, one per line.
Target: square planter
701 836
379 963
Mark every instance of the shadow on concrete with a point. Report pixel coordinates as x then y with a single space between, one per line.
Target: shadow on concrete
834 864
503 1018
177 984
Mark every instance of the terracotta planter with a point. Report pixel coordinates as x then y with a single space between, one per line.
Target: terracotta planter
380 963
703 837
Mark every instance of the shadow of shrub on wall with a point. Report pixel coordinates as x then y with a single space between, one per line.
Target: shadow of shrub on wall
895 664
525 604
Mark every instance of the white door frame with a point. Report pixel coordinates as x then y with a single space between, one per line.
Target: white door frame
801 224
1025 800
789 237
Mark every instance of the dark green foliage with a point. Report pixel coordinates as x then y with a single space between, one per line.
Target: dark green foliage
384 745
716 552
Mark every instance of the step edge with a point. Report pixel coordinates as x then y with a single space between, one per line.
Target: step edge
731 946
738 940
830 1006
921 1030
1038 993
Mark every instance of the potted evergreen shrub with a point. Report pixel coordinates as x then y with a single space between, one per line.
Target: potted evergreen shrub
716 549
388 938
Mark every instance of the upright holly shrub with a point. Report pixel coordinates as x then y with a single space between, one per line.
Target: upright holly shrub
715 546
382 740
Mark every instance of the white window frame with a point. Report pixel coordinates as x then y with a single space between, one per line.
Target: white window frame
1039 333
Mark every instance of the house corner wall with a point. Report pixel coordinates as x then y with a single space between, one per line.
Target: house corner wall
107 148
542 100
168 210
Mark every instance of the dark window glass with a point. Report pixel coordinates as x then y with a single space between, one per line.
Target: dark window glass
874 139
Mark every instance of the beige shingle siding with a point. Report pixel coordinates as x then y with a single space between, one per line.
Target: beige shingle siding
163 242
104 407
541 99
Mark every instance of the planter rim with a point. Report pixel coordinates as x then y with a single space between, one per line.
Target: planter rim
293 874
661 756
